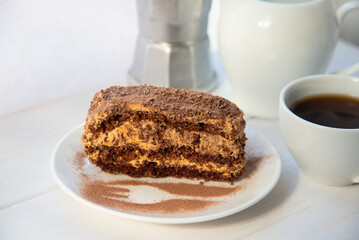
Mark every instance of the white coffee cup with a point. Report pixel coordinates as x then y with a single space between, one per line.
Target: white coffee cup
325 154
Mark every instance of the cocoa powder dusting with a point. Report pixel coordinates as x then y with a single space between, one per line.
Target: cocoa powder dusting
101 196
252 165
183 189
166 207
79 160
99 189
110 193
183 102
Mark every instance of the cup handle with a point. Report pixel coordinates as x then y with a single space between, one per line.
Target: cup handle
344 9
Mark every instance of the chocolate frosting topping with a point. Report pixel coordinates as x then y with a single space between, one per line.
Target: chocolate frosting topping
177 101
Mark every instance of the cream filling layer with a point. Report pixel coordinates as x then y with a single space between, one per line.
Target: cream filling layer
209 166
144 134
183 162
100 117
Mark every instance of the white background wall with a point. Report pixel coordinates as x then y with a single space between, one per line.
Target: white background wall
53 48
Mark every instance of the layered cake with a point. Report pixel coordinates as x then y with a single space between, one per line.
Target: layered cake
147 131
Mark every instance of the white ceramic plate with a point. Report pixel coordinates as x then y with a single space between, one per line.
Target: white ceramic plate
252 188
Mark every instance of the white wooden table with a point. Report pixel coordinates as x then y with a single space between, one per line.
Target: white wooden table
32 206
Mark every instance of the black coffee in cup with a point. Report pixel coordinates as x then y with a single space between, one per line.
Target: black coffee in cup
329 110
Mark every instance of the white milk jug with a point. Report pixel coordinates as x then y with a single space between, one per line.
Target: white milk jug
264 44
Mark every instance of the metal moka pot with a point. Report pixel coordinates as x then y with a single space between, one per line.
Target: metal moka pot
172 48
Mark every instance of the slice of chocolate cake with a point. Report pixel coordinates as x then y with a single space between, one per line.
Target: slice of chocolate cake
146 131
